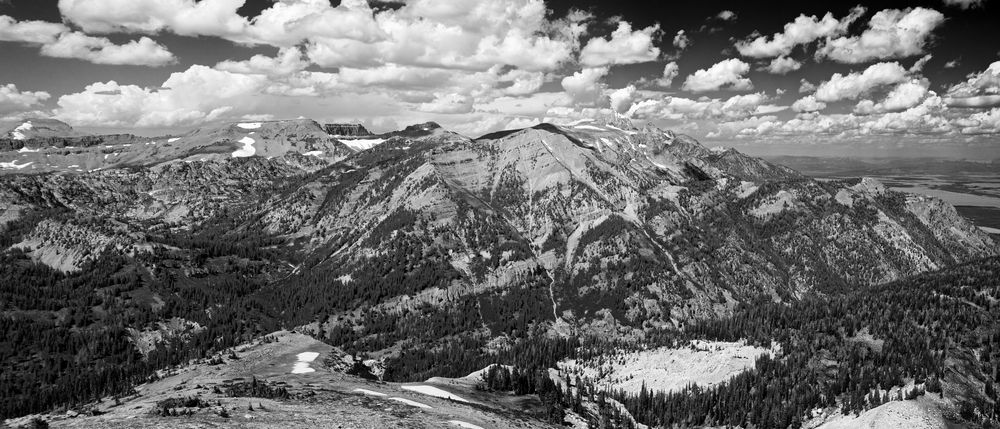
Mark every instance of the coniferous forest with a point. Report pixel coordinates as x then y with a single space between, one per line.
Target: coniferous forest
66 338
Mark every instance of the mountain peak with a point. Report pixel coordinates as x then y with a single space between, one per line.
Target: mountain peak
40 128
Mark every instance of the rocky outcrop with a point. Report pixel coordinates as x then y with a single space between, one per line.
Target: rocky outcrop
346 130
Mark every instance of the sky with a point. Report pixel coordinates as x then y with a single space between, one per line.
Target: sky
833 78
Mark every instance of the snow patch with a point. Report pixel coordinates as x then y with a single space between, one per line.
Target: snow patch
370 392
467 425
362 144
246 150
25 149
173 139
589 127
302 366
411 403
434 391
619 129
17 133
577 122
314 153
249 125
14 164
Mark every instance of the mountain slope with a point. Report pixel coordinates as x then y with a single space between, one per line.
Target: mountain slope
430 253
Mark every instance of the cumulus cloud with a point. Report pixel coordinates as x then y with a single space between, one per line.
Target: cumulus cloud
987 122
622 99
853 85
448 103
783 65
726 74
978 90
806 87
904 96
670 72
184 17
32 32
891 33
585 86
624 47
808 104
803 30
182 100
100 50
14 100
686 109
726 15
681 40
56 40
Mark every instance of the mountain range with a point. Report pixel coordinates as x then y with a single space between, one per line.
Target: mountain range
407 247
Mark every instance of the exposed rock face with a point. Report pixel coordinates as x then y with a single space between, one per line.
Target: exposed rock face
587 224
346 130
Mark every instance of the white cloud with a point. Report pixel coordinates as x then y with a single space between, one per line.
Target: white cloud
978 90
100 50
681 40
624 47
951 64
14 100
622 99
198 94
56 40
853 85
806 87
808 104
448 103
33 32
686 109
987 122
288 60
584 86
987 82
726 74
891 33
783 65
964 4
670 72
184 17
803 30
726 15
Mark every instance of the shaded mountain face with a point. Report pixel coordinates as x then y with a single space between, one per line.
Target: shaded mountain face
430 239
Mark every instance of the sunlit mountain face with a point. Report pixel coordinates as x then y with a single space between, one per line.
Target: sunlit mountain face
499 214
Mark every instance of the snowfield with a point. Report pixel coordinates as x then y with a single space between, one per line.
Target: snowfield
362 144
370 392
302 366
434 391
249 125
17 133
704 363
14 164
246 150
411 403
